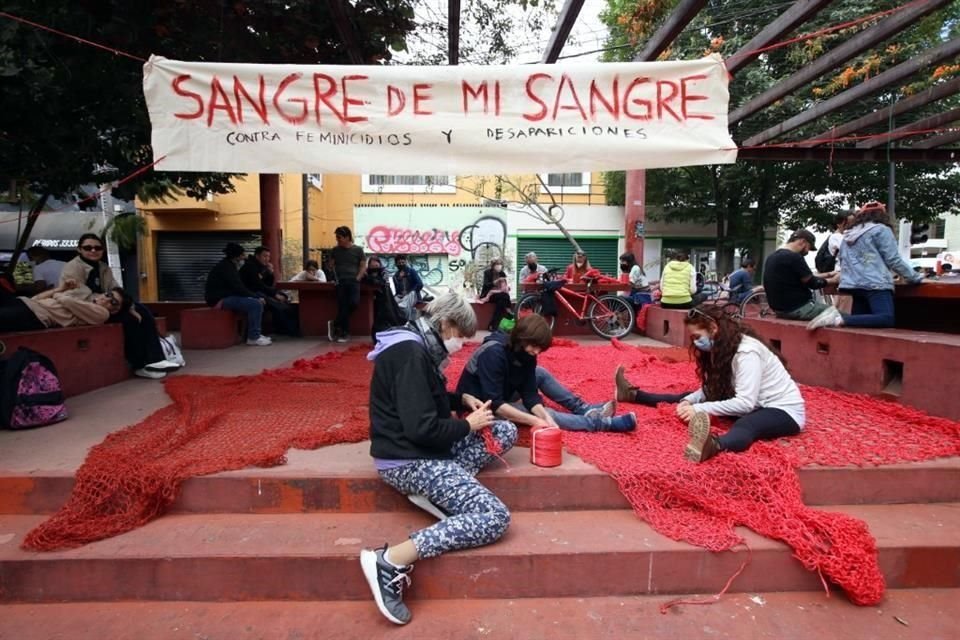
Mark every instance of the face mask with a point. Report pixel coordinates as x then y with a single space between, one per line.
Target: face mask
525 359
497 268
704 343
624 267
453 345
375 271
532 266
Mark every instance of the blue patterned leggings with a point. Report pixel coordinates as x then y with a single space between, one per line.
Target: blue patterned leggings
476 516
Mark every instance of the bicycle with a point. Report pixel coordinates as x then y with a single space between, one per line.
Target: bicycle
715 293
755 305
609 316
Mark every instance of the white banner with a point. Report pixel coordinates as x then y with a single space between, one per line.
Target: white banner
454 120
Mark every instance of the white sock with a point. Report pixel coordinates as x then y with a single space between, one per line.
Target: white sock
386 556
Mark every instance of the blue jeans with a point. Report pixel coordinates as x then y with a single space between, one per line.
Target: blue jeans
250 307
871 308
575 420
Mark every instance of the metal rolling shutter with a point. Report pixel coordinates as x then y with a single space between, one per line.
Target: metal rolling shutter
185 258
557 252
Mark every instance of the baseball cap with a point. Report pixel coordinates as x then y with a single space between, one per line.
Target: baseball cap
803 234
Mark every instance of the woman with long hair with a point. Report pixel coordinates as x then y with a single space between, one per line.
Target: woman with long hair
868 253
741 376
578 267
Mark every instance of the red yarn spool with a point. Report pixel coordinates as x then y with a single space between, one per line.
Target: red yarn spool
546 447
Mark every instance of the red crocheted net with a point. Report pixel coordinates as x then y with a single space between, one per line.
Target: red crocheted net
224 423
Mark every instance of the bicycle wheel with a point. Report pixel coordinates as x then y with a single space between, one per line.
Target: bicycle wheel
530 304
611 317
755 306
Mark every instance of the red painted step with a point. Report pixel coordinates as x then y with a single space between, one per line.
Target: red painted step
545 554
930 614
351 486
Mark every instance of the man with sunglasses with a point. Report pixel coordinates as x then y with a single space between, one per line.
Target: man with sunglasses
63 306
141 340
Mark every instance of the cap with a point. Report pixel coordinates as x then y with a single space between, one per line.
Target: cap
804 234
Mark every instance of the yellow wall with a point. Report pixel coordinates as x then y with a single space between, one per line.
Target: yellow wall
330 207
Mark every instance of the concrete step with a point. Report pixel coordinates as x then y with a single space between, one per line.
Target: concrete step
341 479
544 554
931 614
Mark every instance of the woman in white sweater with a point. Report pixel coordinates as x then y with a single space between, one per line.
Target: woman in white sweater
741 376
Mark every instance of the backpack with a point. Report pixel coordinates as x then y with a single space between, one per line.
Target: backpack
825 262
30 391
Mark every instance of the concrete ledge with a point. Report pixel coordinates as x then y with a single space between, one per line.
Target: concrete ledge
210 328
86 358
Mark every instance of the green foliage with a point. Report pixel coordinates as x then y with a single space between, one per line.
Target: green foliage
124 230
615 188
69 108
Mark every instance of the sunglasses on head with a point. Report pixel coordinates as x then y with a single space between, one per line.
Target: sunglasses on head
694 312
92 247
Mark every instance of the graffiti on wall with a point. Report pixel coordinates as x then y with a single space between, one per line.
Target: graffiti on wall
448 246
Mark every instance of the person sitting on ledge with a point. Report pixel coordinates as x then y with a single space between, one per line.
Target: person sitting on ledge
741 376
311 273
424 453
577 268
868 253
495 290
678 284
63 306
225 289
504 371
789 283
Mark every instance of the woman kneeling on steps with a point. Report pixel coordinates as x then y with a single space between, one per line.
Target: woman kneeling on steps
741 376
424 453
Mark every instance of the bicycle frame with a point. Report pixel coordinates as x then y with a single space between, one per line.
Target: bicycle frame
586 298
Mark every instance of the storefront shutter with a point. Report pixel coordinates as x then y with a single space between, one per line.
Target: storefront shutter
557 252
185 258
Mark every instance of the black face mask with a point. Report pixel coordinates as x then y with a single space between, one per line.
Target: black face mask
624 267
375 271
532 266
524 359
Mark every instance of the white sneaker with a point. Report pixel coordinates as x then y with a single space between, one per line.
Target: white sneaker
153 375
162 365
343 337
424 503
830 317
262 341
330 335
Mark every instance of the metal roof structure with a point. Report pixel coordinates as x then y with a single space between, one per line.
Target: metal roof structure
775 143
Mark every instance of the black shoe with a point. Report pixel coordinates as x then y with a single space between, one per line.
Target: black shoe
387 583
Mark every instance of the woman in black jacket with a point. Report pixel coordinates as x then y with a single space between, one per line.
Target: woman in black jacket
423 452
496 290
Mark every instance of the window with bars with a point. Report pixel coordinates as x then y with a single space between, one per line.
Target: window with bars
567 182
378 183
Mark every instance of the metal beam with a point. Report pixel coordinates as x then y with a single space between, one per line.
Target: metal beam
939 140
880 81
558 37
797 14
825 154
345 30
923 124
926 96
453 31
834 58
669 30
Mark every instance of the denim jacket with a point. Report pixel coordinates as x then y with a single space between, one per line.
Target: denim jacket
867 254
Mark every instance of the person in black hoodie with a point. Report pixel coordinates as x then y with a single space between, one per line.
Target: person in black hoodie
386 311
504 372
423 452
225 289
257 275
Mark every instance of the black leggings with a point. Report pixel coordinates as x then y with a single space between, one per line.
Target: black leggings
15 315
502 302
762 424
141 341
